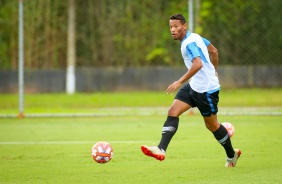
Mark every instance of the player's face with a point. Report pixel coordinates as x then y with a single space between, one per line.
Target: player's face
177 30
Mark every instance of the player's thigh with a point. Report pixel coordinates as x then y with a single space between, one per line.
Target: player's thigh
206 102
177 108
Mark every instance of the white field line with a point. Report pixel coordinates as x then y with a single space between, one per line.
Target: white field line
69 142
89 142
155 111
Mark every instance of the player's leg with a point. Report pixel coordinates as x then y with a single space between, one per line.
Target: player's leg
179 105
207 104
171 124
182 102
220 133
169 129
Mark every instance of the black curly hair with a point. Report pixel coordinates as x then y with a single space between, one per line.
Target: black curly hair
178 17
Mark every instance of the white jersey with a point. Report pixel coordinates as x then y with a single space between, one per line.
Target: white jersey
205 80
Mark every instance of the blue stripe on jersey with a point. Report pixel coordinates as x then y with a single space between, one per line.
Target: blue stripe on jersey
194 51
210 102
206 41
212 91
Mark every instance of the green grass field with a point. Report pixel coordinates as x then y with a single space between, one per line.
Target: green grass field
88 102
58 150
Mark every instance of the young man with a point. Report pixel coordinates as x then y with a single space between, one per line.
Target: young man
201 59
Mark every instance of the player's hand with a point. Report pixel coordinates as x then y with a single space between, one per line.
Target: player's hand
174 86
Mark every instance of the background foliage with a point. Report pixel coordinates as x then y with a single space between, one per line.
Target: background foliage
136 33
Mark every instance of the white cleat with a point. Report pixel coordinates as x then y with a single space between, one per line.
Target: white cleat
231 162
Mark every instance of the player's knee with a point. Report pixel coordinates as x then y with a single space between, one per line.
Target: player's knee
172 111
208 126
212 126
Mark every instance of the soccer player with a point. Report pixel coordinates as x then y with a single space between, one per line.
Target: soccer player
201 60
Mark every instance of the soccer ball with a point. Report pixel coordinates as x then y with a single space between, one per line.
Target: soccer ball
230 128
102 152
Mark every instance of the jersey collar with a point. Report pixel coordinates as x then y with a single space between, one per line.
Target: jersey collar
187 34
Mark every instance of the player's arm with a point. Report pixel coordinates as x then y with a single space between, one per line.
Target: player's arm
197 64
212 52
213 55
195 67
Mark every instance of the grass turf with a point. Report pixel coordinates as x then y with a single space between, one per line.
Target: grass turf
84 102
58 150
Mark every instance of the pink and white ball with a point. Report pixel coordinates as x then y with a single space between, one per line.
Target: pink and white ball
230 128
102 152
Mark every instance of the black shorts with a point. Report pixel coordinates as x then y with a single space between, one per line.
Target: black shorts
205 102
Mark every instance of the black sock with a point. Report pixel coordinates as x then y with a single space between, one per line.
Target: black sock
222 137
169 129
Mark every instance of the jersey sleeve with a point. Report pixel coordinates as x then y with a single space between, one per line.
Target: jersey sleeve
192 51
206 41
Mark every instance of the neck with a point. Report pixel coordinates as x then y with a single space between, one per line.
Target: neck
183 36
